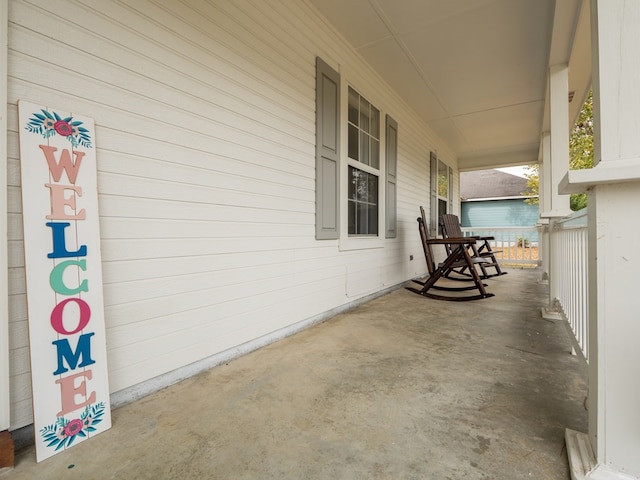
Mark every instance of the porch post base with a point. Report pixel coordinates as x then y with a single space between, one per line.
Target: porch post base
7 454
549 313
582 461
544 278
581 457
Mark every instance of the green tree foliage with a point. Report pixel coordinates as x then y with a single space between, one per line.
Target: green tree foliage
533 184
581 148
580 155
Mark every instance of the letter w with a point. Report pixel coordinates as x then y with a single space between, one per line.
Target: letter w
65 353
65 163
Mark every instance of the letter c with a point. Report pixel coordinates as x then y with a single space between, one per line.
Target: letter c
57 283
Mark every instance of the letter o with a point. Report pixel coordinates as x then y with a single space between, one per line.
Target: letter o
58 310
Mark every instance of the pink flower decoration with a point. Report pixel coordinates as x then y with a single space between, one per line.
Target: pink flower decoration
63 128
73 427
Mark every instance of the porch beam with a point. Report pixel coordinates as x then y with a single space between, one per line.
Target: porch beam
525 156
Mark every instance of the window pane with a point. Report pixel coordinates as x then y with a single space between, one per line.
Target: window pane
361 185
352 218
374 157
363 203
442 207
354 100
352 148
372 194
361 218
443 180
364 114
364 148
351 195
375 122
372 221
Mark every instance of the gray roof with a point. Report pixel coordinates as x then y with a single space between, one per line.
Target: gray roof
491 184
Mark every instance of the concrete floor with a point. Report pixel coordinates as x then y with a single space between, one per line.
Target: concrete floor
402 387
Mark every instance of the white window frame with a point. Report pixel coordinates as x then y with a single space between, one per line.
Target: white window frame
436 198
443 198
360 242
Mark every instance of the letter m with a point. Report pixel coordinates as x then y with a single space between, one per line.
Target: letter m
56 167
83 350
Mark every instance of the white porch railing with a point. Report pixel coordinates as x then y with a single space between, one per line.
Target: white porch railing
516 245
568 239
568 257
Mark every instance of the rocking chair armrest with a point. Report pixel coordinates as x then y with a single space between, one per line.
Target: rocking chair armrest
453 240
470 239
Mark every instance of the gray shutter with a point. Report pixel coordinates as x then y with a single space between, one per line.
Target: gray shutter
391 156
433 164
327 151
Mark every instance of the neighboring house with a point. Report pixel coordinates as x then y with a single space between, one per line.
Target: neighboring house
491 198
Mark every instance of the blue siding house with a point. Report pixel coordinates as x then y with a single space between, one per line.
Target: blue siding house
491 198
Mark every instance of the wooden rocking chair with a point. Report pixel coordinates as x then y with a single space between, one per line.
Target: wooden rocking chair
450 226
458 258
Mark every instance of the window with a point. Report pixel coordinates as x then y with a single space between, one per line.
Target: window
441 190
360 196
363 147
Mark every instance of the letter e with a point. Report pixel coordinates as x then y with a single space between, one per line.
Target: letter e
69 390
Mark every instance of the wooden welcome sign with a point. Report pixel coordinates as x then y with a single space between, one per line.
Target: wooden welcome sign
64 278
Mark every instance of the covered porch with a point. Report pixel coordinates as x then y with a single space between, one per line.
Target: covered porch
213 196
399 387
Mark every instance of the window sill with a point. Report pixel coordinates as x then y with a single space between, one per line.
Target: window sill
360 243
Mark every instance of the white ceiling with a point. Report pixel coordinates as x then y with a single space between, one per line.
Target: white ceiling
474 70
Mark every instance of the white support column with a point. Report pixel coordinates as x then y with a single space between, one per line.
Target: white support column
544 177
555 165
544 199
616 45
614 241
556 204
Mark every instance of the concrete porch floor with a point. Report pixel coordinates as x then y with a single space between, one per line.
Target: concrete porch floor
402 387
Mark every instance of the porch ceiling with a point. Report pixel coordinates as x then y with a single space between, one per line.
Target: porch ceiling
475 71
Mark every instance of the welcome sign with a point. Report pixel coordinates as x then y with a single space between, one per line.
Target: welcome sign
64 277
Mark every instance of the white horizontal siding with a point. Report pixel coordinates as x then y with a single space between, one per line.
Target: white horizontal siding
205 136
